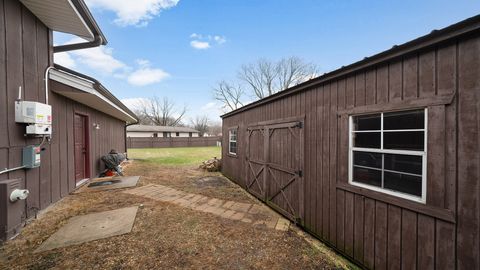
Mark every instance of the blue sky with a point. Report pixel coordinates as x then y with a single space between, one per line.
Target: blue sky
151 53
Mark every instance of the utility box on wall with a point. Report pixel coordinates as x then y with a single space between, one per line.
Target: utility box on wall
12 214
37 115
31 156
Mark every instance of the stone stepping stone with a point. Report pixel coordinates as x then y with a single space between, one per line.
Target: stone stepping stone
81 229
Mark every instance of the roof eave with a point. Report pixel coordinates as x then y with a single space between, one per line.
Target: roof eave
92 86
68 16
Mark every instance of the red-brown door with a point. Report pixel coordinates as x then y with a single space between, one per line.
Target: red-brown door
81 147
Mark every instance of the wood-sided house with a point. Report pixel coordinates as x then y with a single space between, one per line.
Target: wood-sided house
379 159
85 121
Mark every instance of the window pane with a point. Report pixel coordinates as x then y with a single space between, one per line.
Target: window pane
403 183
410 140
366 140
367 159
404 163
367 122
404 120
233 147
367 176
233 135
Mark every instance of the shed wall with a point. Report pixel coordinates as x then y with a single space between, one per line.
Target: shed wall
26 46
373 229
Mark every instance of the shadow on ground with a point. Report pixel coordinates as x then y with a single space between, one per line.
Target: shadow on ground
166 235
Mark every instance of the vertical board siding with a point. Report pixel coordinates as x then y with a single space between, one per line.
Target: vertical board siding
469 154
374 232
3 82
26 46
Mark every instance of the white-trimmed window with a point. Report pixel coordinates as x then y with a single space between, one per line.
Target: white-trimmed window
388 153
232 141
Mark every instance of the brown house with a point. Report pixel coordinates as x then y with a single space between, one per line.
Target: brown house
379 159
54 122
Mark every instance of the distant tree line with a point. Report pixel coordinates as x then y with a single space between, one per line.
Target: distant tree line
164 112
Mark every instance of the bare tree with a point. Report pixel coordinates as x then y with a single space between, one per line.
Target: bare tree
292 71
229 95
161 112
215 128
142 119
200 123
267 77
260 76
264 78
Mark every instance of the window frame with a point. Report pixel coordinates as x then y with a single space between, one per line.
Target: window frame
230 141
381 150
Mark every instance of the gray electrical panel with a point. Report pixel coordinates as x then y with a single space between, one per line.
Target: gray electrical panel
31 156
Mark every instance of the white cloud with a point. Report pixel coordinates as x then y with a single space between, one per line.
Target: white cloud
212 109
195 35
202 42
146 75
199 45
64 59
220 39
130 12
99 58
143 62
133 103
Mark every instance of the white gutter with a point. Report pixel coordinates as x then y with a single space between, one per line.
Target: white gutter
86 86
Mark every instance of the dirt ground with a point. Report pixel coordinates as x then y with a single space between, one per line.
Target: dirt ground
166 236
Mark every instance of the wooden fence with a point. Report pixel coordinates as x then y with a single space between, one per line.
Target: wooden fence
133 142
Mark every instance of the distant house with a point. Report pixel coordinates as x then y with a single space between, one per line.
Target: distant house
160 131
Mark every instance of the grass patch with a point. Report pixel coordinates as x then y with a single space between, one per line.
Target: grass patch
175 156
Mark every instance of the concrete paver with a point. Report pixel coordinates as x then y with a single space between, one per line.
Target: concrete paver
238 211
91 227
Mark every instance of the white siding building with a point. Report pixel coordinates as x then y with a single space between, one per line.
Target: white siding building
146 131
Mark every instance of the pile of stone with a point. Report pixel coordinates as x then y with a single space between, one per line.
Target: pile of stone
212 165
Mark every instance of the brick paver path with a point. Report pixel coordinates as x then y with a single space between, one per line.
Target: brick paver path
245 212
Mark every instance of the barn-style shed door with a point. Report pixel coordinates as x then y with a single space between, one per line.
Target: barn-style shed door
256 164
285 169
275 166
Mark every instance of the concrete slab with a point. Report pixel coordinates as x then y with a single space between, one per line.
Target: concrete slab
81 229
125 182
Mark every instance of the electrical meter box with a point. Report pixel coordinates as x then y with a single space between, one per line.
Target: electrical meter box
37 115
31 112
39 129
31 156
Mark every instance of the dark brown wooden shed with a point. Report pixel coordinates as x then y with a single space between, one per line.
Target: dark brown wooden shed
87 120
379 159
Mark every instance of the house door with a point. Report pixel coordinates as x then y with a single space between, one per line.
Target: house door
81 147
274 172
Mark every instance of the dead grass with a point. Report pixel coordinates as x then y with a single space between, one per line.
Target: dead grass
164 235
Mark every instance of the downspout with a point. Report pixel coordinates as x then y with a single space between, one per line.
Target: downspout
97 41
98 37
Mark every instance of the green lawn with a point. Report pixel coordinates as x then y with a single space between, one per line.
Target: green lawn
175 156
